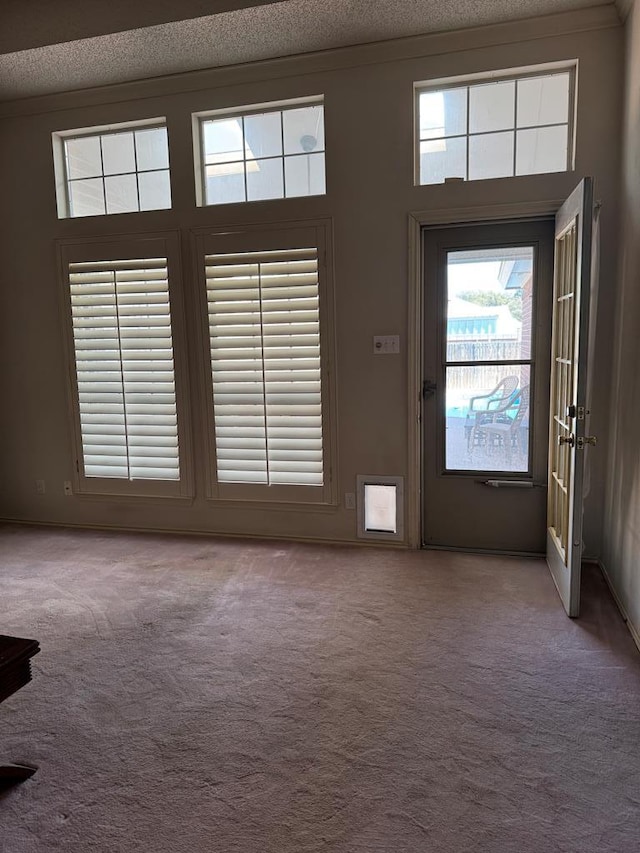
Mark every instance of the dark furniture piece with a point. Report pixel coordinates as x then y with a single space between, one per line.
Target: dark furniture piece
15 672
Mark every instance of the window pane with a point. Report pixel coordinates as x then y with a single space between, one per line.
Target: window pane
117 153
225 183
491 156
83 157
86 198
490 304
223 140
380 508
487 418
491 106
155 190
305 175
122 194
541 149
443 158
152 149
543 100
264 179
303 130
443 113
263 135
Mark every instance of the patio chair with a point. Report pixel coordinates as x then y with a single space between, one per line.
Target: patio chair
504 431
498 401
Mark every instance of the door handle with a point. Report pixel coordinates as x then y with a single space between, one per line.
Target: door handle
428 389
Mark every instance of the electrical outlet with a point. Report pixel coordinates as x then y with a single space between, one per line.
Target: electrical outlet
40 487
67 488
349 500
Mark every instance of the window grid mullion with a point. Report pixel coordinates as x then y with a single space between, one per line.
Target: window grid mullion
475 133
104 185
466 177
244 160
515 123
135 163
284 179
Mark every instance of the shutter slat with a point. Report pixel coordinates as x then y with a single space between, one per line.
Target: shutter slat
121 322
111 470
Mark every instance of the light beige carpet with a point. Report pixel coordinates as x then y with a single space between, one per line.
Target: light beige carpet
225 696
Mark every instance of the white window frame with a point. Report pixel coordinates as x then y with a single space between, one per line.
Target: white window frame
363 480
166 244
256 238
499 76
59 138
198 120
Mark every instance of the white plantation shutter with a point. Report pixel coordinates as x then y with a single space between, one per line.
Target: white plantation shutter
264 329
121 324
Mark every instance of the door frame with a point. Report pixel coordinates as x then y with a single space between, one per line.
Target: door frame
418 220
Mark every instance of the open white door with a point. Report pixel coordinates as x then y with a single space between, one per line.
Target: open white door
568 411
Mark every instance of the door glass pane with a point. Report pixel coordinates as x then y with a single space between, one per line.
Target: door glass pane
489 304
487 418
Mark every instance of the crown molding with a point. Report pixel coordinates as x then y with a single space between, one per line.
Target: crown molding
393 50
624 8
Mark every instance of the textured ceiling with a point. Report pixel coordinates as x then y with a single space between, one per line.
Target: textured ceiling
240 35
33 23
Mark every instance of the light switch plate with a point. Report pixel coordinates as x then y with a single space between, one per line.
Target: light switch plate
386 344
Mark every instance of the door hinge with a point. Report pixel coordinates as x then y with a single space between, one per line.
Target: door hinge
585 440
428 389
578 412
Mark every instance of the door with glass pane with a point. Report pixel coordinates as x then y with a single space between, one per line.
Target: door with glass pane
486 385
567 423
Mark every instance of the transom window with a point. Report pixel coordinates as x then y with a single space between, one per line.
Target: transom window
113 171
277 152
519 125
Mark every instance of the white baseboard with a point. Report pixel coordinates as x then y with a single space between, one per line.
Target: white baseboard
633 630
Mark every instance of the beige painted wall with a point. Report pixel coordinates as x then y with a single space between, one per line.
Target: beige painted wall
621 553
368 103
